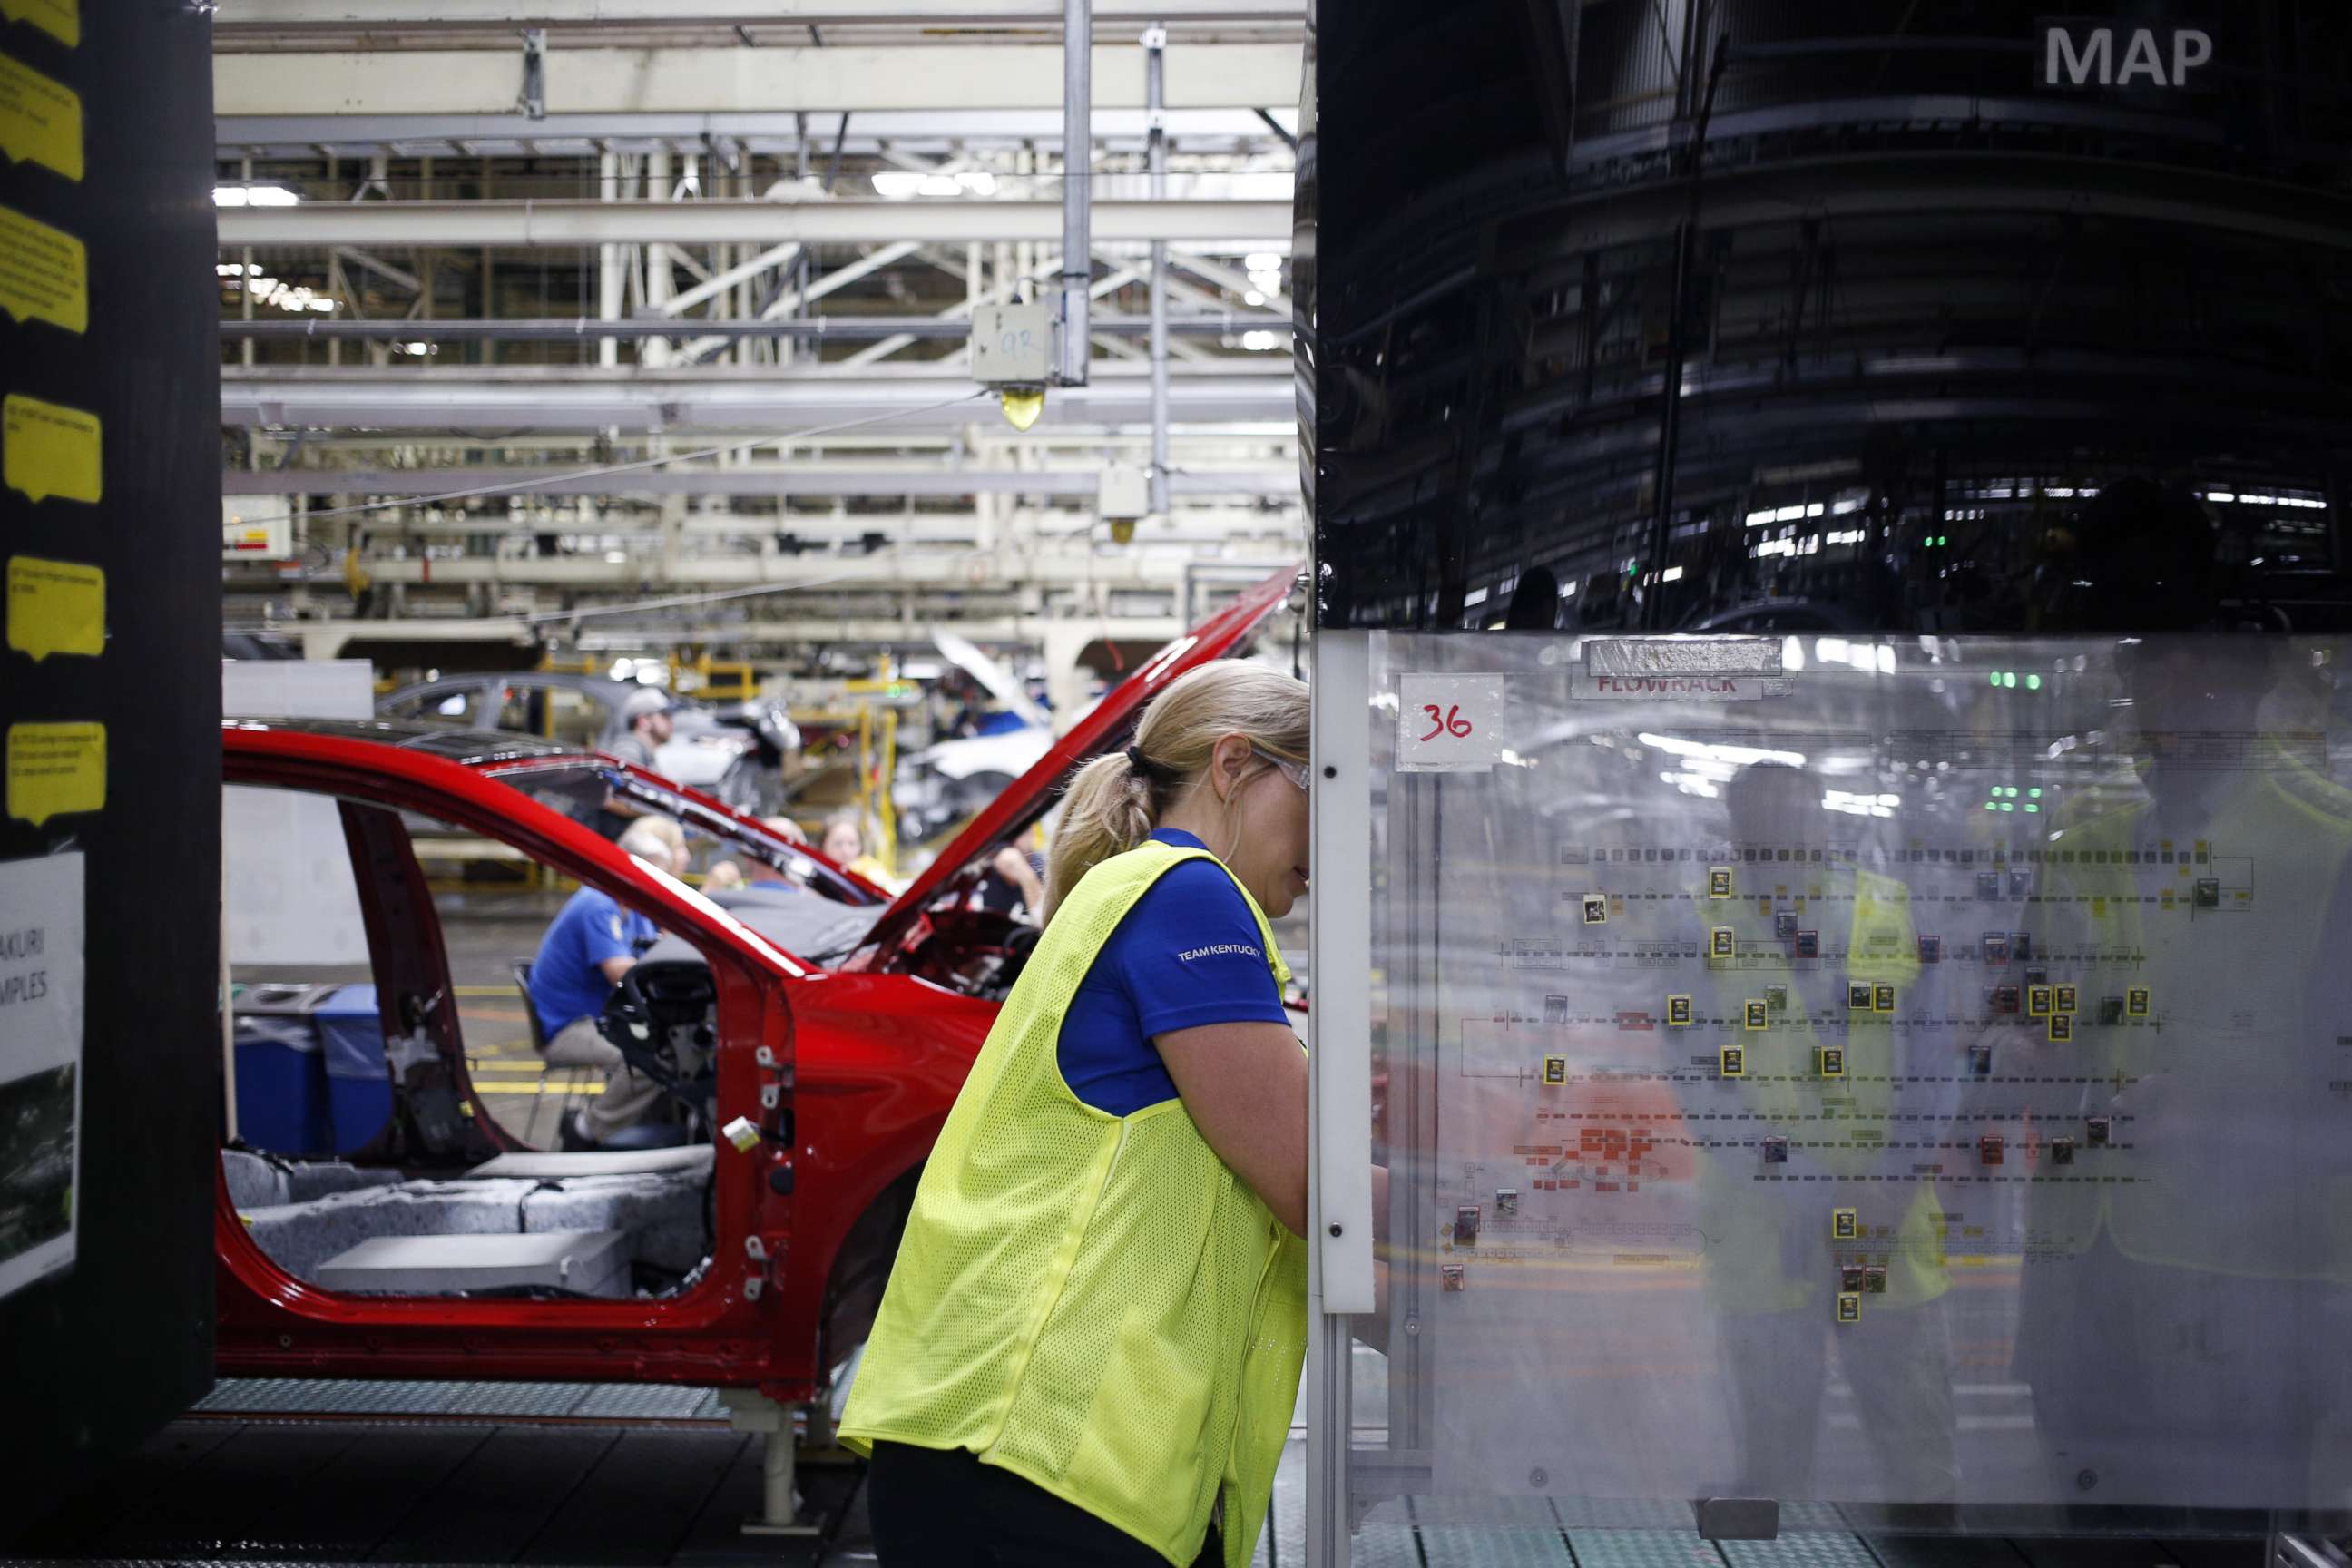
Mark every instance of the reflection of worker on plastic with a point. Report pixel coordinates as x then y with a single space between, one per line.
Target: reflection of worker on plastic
1774 1275
2183 1333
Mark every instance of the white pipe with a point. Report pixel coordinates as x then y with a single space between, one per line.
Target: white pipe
1155 67
1077 195
393 225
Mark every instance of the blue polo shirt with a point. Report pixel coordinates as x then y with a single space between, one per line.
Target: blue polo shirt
1187 954
567 982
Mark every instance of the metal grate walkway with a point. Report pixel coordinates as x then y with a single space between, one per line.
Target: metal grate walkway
288 1470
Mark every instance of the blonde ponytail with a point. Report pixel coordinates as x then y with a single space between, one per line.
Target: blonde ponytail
1117 800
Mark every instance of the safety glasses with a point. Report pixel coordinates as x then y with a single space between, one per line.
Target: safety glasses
1295 771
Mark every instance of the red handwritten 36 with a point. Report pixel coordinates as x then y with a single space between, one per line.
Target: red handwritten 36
1450 723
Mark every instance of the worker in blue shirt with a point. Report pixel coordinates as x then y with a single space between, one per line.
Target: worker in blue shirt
1187 954
593 943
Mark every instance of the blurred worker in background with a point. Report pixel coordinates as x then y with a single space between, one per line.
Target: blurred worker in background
1015 882
762 882
676 857
645 713
593 943
1083 1358
844 845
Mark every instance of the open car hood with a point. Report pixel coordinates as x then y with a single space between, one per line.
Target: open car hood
1113 719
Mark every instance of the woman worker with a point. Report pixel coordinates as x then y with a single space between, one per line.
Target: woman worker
1090 1344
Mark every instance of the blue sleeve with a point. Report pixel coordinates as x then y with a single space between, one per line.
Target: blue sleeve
605 930
1189 953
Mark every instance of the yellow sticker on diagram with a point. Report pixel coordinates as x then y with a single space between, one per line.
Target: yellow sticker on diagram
60 19
55 769
40 120
43 273
56 606
47 449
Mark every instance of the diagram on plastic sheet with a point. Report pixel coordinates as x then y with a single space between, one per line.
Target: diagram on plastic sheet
1895 1098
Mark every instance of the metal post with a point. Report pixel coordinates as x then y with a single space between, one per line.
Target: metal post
244 258
1155 67
749 1411
660 283
1340 1272
1077 196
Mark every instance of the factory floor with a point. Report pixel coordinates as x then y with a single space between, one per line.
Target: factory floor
286 1471
289 1471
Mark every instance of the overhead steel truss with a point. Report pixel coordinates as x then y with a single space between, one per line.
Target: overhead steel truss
869 133
838 329
688 80
587 398
1273 482
1264 225
247 18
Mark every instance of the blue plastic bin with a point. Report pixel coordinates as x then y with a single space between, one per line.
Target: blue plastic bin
359 1085
281 1080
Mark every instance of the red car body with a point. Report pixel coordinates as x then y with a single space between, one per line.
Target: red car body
849 1070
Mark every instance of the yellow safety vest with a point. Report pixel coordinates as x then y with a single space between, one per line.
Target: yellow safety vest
1764 1252
1095 1302
2230 1034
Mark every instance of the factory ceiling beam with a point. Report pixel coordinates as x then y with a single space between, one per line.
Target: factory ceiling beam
322 226
1207 529
837 328
890 569
1273 483
773 256
1255 390
329 638
244 17
870 133
356 82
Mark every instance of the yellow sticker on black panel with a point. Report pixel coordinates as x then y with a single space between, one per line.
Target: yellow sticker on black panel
43 273
47 449
56 606
55 769
40 120
60 19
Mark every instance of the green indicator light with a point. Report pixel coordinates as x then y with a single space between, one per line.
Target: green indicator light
1993 680
2008 678
1990 806
2030 807
2006 805
2035 791
2033 683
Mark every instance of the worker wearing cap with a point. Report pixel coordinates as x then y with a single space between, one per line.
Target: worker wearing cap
645 713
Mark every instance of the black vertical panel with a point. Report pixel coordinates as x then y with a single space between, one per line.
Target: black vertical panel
94 1358
1951 333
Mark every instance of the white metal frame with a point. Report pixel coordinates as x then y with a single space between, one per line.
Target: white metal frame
1340 1275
